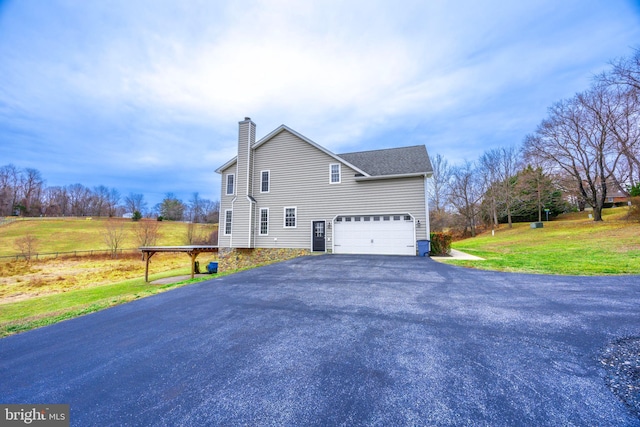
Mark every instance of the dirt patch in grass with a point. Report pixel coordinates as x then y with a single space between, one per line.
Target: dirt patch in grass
20 280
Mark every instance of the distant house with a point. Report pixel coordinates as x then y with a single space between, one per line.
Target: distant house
286 191
615 196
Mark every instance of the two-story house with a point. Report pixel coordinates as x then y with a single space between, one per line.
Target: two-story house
286 191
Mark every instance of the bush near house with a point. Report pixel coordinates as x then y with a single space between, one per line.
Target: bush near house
440 244
634 209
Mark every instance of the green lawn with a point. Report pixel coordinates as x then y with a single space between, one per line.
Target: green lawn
573 245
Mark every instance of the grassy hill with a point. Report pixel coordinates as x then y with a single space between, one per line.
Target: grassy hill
50 289
573 244
73 234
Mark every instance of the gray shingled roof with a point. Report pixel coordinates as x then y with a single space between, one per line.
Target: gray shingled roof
392 161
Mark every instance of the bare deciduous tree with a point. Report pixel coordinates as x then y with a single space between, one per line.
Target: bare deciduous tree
27 246
135 202
466 194
576 139
99 200
9 179
196 208
440 183
147 232
31 185
211 211
489 171
114 235
624 109
113 198
79 199
626 71
509 165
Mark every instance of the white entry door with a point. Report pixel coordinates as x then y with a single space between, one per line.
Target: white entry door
374 234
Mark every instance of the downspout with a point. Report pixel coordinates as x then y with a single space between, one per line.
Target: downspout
232 217
252 202
426 206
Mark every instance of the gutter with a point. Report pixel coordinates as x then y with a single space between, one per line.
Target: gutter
397 176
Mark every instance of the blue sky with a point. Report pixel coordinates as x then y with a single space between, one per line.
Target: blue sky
145 96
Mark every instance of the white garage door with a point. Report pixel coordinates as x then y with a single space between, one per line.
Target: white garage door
374 234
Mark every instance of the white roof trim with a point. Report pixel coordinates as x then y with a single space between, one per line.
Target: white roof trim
402 175
226 165
302 137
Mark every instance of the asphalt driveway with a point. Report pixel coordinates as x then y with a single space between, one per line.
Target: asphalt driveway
339 340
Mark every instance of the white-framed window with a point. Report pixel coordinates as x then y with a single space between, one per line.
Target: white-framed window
228 219
334 173
290 217
264 221
265 181
231 182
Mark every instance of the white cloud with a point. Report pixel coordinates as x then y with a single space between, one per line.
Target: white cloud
149 82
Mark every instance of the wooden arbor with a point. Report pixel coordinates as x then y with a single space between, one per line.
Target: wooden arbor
193 251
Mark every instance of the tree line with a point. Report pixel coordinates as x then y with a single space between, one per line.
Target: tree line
23 193
586 150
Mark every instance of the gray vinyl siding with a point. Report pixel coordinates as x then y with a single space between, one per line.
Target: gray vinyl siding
300 177
225 204
243 211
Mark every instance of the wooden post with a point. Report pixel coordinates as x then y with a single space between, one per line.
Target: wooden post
148 256
193 263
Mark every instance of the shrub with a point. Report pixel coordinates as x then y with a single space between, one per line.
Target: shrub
440 244
27 245
634 209
137 216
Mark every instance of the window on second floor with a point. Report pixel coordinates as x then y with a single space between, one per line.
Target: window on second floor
230 184
264 181
334 172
